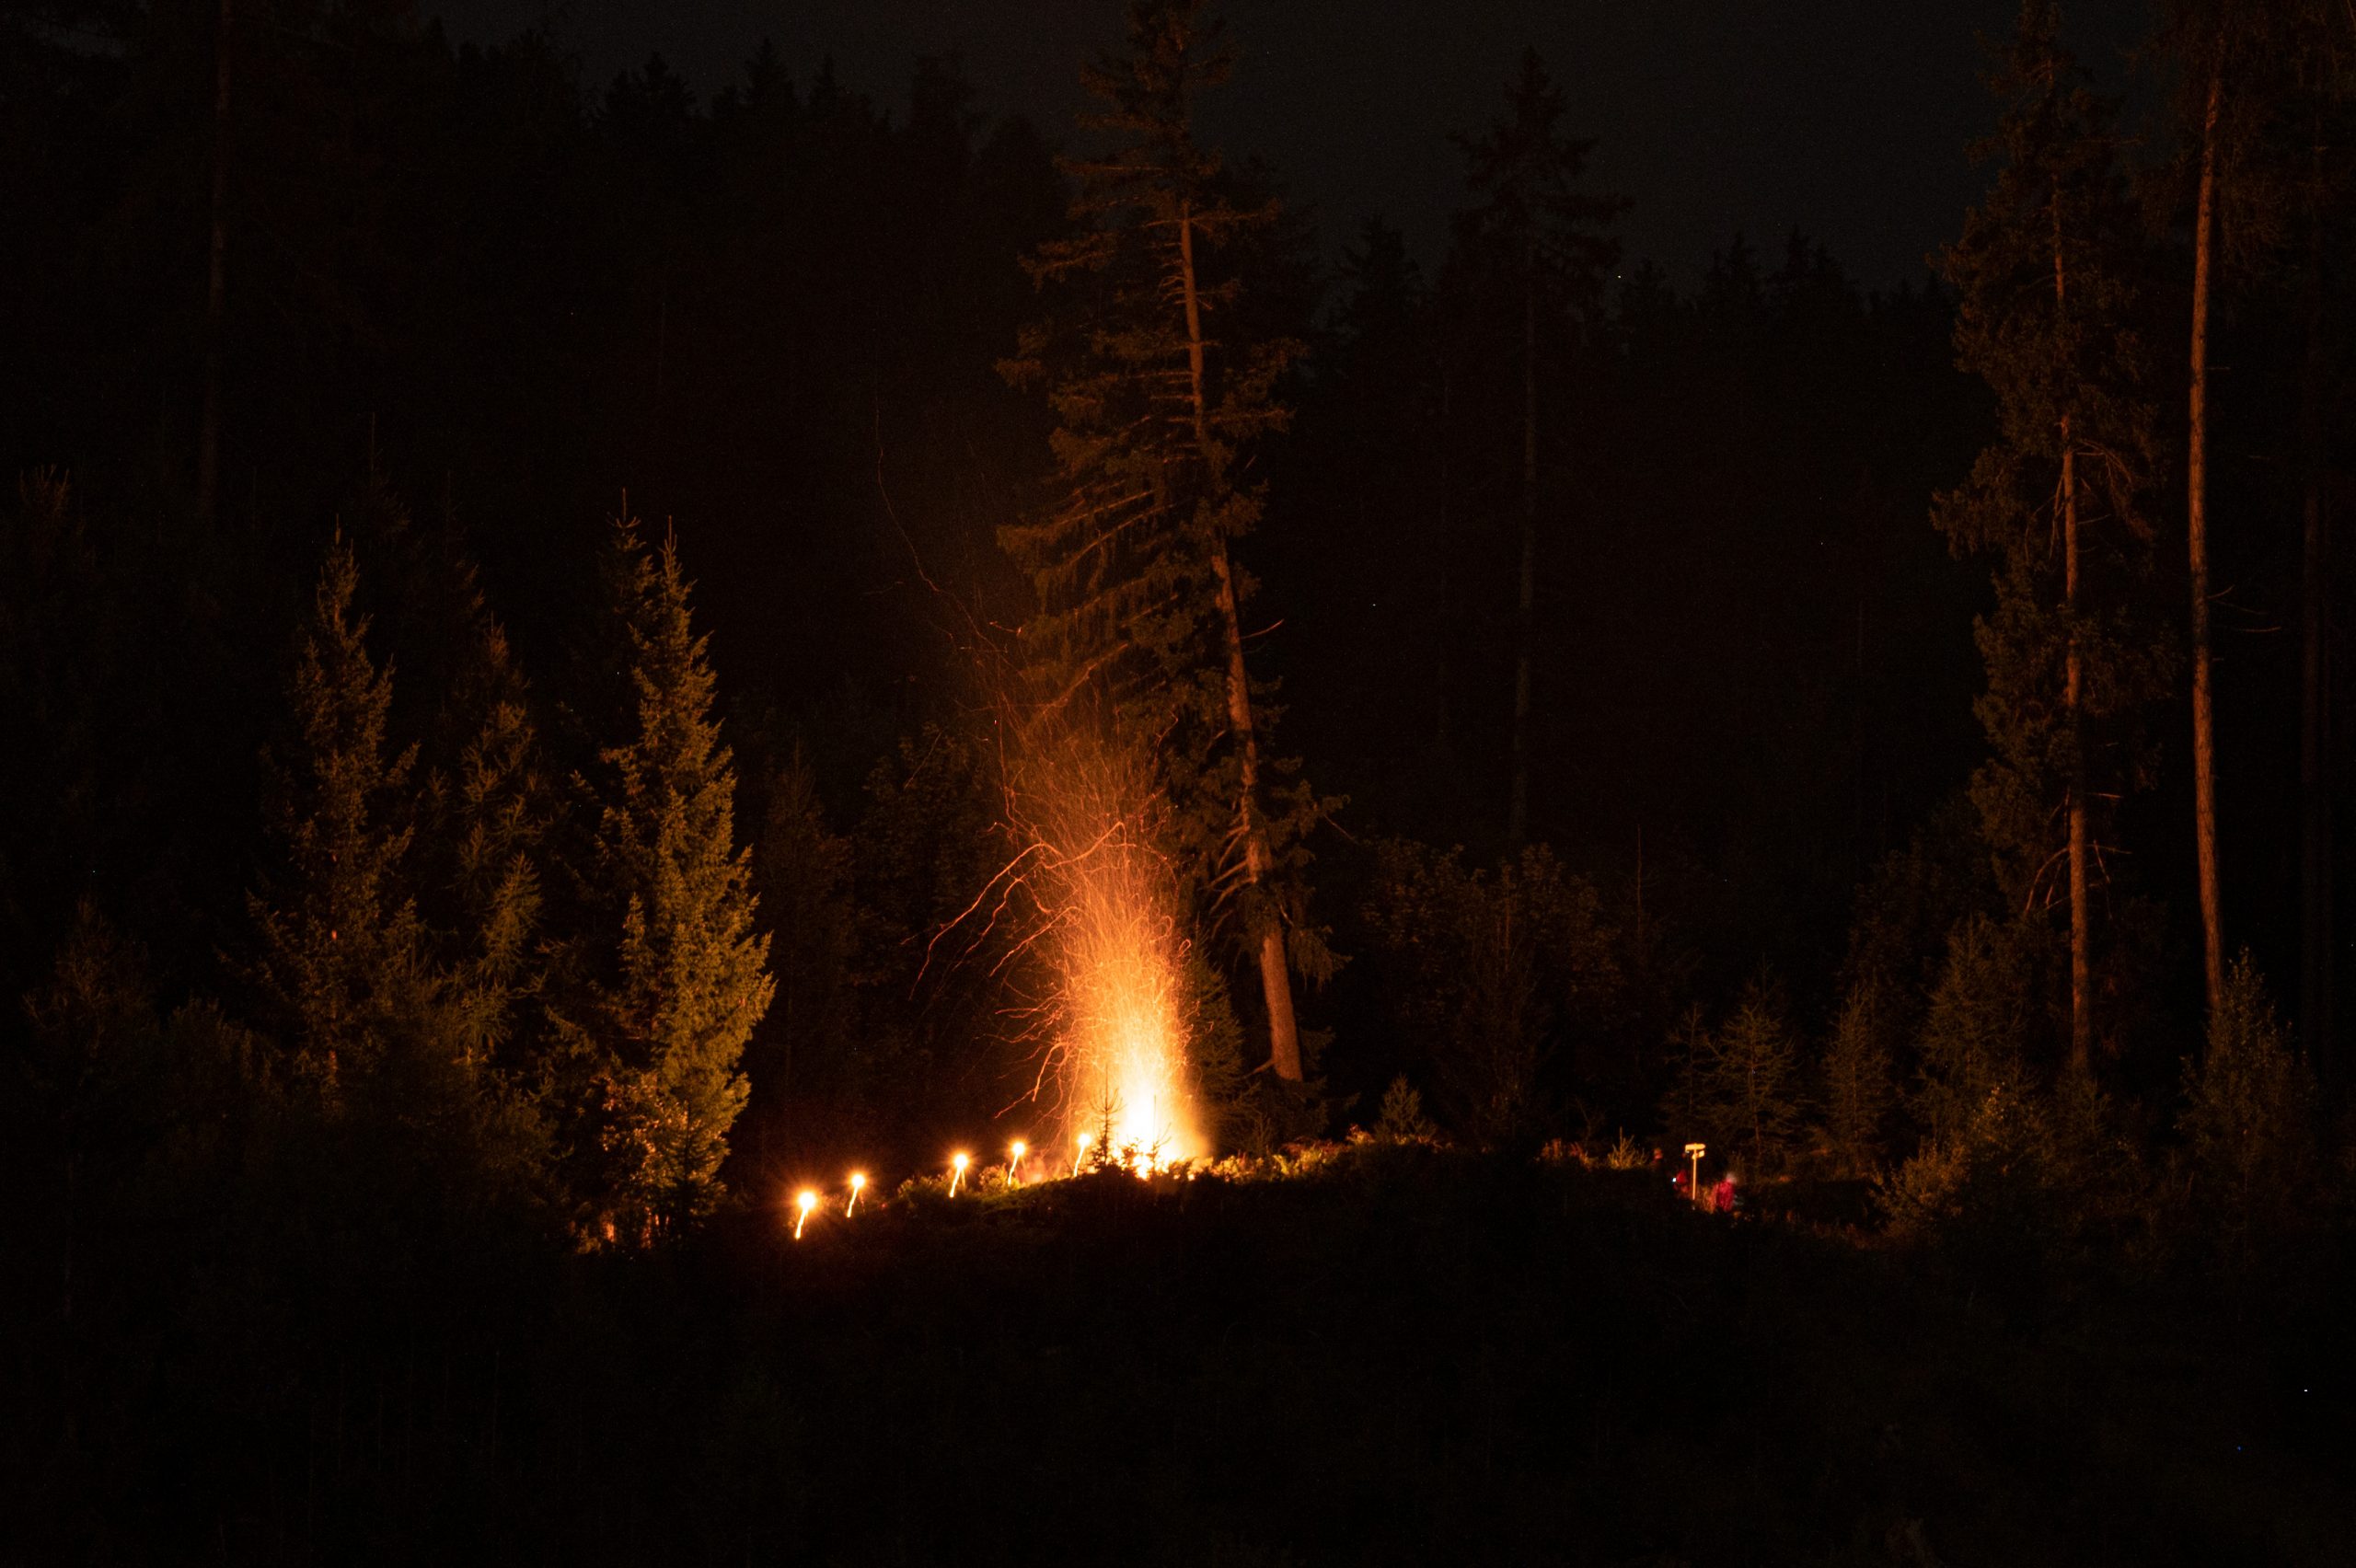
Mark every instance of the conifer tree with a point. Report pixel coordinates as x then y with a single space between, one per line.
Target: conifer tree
483 801
804 874
1161 389
2249 1116
2046 315
1858 1091
1532 246
1750 1079
1975 1039
491 817
337 957
673 975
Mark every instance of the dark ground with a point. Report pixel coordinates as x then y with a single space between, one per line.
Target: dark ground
1405 1358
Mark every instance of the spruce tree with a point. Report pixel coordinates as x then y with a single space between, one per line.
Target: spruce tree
671 976
483 801
2248 1119
2046 274
1859 1088
337 955
1161 387
1750 1081
804 870
1531 249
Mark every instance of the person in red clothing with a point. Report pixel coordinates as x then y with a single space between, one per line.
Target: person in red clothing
1722 1195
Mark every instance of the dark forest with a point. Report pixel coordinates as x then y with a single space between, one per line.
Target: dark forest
759 825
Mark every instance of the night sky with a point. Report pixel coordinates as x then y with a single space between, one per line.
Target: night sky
1848 117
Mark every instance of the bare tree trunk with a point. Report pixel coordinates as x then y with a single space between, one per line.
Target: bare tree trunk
216 284
2081 1029
2082 1032
1525 617
2314 672
2205 746
1276 982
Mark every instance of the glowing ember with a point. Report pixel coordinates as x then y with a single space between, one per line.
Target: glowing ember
1106 943
858 1185
957 1172
805 1203
1120 953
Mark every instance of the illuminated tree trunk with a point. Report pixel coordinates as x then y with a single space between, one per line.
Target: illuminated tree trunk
1276 982
2204 774
1518 814
208 441
2314 693
2074 706
2073 689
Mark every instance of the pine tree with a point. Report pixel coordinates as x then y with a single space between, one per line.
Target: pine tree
484 802
1161 390
1975 1042
1858 1089
1750 1081
337 957
803 869
493 813
2248 1117
2046 275
1531 248
674 976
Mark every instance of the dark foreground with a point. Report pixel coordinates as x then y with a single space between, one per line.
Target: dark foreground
1407 1358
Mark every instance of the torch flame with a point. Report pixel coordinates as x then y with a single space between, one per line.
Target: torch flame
957 1170
805 1203
858 1185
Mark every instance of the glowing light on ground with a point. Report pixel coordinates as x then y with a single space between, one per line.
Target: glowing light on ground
805 1203
858 1185
957 1172
1015 1153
